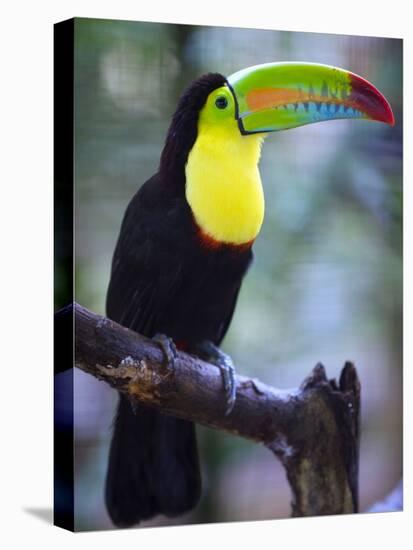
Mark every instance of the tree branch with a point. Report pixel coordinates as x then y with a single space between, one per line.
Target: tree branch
313 430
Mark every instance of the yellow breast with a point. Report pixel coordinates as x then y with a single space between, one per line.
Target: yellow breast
223 184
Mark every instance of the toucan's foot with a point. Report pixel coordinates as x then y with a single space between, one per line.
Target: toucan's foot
214 355
168 349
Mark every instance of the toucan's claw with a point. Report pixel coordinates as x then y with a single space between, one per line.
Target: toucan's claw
168 348
214 355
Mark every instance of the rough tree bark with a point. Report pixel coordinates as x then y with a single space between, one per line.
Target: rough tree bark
313 430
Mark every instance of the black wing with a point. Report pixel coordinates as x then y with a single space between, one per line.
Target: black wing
144 269
153 461
227 321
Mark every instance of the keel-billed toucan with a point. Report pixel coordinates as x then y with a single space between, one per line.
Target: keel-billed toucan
185 246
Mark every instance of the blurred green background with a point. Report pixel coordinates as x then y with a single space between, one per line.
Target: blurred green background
326 284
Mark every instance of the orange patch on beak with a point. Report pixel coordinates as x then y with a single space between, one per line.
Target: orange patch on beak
272 97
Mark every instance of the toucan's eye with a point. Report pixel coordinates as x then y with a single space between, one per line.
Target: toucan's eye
221 102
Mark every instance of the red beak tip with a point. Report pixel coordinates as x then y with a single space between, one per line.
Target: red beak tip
371 100
389 117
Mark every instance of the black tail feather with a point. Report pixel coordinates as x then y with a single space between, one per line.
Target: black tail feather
153 466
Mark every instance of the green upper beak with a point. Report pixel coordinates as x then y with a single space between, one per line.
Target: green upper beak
277 96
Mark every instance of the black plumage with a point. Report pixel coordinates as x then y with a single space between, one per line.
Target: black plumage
166 279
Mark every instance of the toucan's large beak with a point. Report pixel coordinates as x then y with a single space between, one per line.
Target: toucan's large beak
277 96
